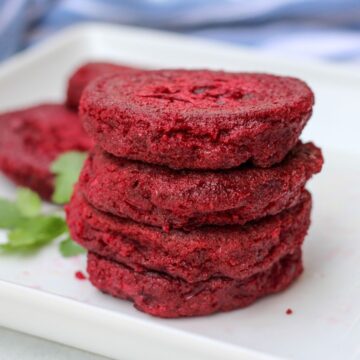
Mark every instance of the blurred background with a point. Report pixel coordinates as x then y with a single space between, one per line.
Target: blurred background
325 29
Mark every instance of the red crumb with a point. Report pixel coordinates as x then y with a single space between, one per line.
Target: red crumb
289 311
80 275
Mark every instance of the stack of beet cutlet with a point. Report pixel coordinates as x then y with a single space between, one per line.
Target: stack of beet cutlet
193 200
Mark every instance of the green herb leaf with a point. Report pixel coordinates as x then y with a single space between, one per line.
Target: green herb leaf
69 248
28 202
10 215
67 169
35 232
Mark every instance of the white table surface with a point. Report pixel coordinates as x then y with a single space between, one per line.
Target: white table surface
18 346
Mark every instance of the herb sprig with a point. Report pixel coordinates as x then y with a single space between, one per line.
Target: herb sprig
66 168
29 228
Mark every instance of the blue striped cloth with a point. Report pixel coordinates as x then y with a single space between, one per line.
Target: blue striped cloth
309 28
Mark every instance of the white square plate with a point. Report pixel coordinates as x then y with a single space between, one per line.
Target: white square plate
40 295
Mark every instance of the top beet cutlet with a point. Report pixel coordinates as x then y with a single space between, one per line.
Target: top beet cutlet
197 119
32 138
85 74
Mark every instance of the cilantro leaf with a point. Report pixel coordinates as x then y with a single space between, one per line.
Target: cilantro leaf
10 215
28 202
69 248
67 169
35 232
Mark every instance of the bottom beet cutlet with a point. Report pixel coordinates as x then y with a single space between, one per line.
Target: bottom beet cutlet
30 139
160 295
